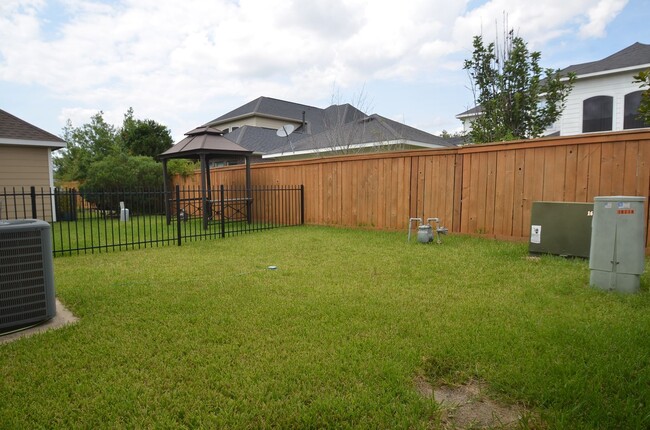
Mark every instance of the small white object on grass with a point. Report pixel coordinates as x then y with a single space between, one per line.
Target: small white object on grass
272 267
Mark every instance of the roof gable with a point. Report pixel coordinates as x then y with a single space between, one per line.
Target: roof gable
15 130
636 54
267 106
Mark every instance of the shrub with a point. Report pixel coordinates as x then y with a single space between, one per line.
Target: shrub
123 177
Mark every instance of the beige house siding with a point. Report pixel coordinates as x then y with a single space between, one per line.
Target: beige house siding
22 167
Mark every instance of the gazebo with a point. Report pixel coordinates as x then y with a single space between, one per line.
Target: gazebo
205 144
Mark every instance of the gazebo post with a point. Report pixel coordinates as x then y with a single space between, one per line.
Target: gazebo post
209 180
204 199
249 199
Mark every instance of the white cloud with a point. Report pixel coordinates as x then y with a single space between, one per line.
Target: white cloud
599 16
172 59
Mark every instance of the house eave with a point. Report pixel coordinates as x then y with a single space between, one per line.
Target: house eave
352 147
611 71
26 142
252 115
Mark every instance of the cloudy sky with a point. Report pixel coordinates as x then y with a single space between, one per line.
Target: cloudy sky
185 62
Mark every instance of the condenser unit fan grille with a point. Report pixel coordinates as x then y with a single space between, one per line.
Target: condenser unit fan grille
23 294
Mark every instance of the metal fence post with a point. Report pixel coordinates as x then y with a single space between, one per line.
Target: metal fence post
223 212
178 215
302 204
33 196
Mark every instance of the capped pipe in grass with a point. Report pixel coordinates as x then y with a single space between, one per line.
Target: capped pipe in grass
272 267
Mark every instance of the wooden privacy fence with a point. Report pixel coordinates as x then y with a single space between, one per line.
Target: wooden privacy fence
476 189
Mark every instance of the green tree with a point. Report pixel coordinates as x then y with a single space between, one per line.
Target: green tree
644 108
97 140
144 137
517 102
85 145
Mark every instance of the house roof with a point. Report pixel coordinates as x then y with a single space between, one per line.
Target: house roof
476 110
15 131
259 139
316 119
370 130
204 141
636 54
318 129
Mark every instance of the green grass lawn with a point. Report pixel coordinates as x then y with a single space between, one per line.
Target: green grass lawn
204 335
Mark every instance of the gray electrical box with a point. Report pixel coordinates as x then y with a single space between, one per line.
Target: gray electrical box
560 228
617 255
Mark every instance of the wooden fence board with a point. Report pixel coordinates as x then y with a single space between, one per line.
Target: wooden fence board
490 192
477 188
570 176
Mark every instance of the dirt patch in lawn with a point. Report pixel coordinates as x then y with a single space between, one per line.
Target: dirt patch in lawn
466 406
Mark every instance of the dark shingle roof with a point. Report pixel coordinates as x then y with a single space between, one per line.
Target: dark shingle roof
14 128
471 112
204 140
634 55
322 126
269 107
259 139
371 129
316 119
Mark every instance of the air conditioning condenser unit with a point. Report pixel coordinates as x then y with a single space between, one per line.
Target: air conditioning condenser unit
27 293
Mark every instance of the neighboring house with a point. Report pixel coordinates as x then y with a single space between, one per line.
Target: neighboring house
337 129
604 96
25 157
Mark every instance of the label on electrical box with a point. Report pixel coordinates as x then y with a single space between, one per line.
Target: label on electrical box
623 205
625 212
535 234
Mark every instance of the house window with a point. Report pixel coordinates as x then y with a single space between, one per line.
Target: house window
597 114
632 102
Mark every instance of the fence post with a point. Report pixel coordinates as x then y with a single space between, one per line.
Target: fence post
223 212
33 196
302 204
178 215
73 204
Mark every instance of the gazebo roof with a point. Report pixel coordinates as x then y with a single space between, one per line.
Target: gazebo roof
204 141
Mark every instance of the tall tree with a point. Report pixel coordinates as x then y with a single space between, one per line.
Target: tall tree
644 107
144 137
516 100
98 140
86 144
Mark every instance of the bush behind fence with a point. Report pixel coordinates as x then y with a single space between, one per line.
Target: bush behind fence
100 221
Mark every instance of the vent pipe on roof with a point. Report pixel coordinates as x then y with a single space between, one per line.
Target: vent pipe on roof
303 118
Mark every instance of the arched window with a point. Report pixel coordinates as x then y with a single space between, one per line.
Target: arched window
597 114
632 102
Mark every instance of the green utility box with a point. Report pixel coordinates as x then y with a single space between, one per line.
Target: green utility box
617 255
560 228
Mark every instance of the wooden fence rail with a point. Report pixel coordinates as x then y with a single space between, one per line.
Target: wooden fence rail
476 189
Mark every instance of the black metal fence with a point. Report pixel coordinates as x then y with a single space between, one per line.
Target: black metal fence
100 221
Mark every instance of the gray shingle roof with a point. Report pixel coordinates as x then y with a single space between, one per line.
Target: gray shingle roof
259 139
371 129
321 127
204 140
12 127
316 119
634 55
